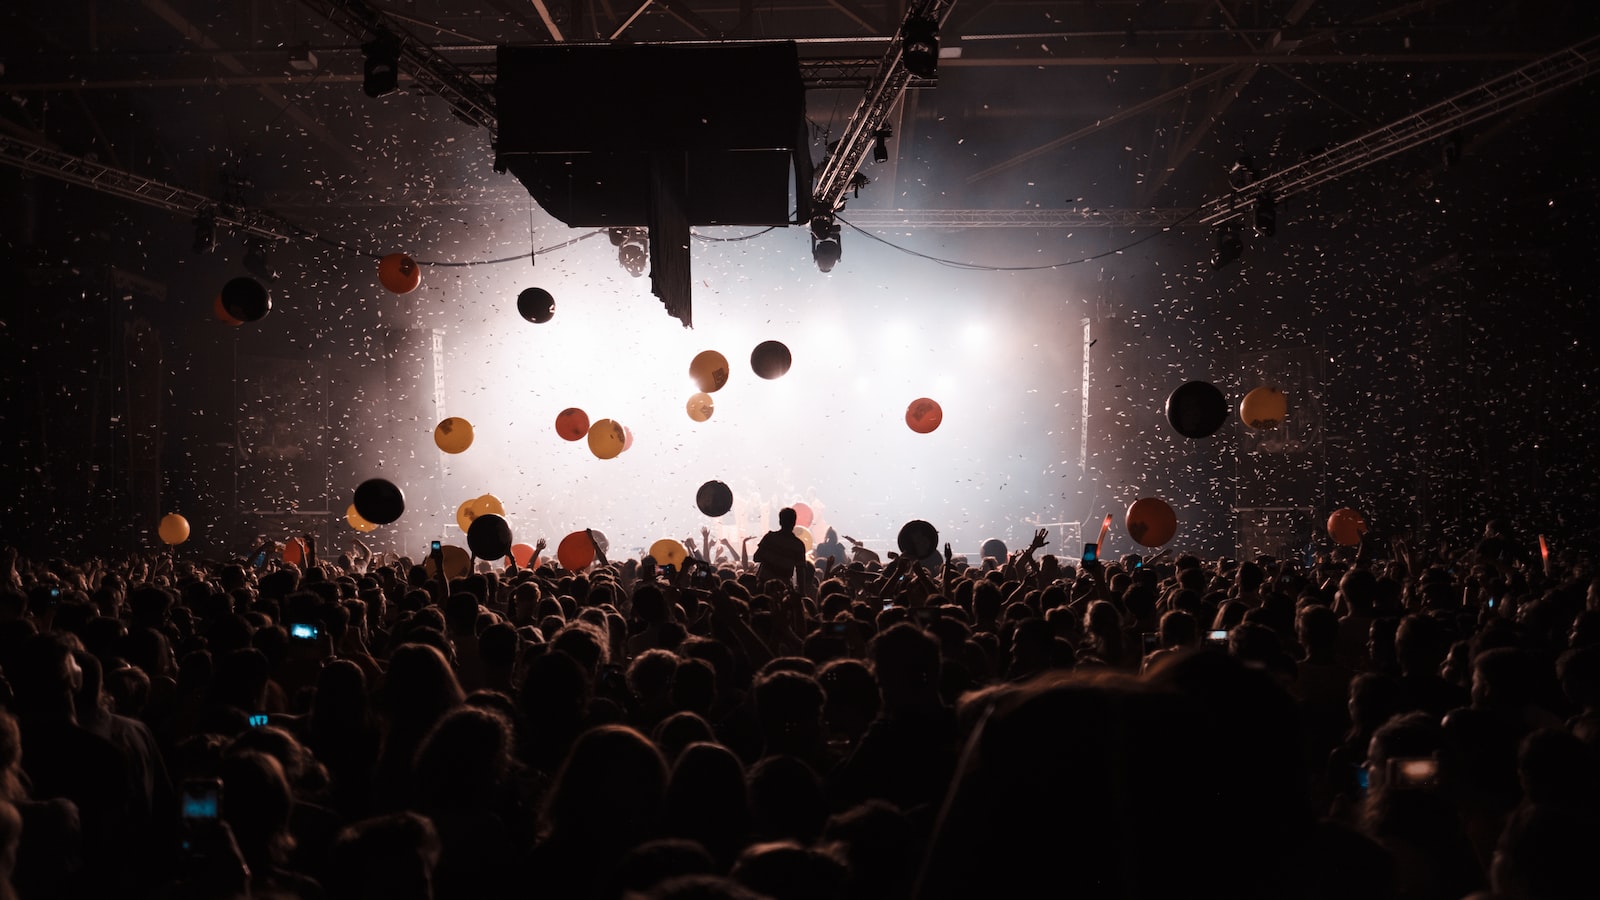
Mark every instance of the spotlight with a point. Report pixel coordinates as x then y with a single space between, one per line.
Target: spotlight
825 249
919 47
633 249
880 149
380 74
205 232
1266 216
1229 247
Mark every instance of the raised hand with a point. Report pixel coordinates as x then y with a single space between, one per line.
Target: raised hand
539 545
1039 539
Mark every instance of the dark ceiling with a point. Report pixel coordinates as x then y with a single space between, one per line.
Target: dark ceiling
1039 107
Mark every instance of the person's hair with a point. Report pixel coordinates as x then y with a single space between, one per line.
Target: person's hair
609 791
678 731
419 685
390 856
651 672
708 801
786 800
788 869
256 805
787 518
465 759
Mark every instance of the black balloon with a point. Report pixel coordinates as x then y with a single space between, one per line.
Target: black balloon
1197 409
536 305
714 498
247 300
489 537
994 547
918 539
770 359
379 501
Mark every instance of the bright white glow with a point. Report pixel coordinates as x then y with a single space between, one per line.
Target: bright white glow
831 432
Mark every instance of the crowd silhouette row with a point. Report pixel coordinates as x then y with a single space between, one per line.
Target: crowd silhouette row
1393 721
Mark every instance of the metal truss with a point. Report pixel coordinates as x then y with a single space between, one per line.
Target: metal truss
1543 76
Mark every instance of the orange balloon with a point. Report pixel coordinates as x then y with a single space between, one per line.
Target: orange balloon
399 273
1346 526
1264 408
575 551
607 439
709 369
668 552
802 514
221 312
453 434
700 407
173 529
1151 522
572 424
522 553
294 552
923 415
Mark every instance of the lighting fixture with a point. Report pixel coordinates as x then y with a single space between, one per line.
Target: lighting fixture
380 73
825 249
919 46
1266 215
633 249
880 149
1229 246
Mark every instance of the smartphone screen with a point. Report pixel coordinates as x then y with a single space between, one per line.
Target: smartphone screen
304 632
202 800
437 546
1219 636
1091 553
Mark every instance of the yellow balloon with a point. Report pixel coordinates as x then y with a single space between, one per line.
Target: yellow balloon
700 407
457 562
804 534
174 529
465 514
453 435
1264 408
709 369
358 523
607 439
668 552
478 506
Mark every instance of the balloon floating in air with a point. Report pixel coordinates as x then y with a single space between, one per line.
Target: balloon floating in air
173 529
572 424
668 552
709 369
1197 409
714 498
522 554
399 273
457 562
918 539
803 515
1151 522
627 439
924 415
246 299
358 523
700 407
804 534
378 501
994 548
221 312
575 551
536 305
489 537
1346 526
770 359
1264 408
607 439
453 435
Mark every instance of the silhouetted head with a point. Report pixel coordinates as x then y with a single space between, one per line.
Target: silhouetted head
787 518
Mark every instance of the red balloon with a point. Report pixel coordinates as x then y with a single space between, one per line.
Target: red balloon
221 312
924 415
522 553
802 515
399 273
572 424
575 551
294 552
1346 526
1151 522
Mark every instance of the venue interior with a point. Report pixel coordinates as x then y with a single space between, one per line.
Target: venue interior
1044 215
